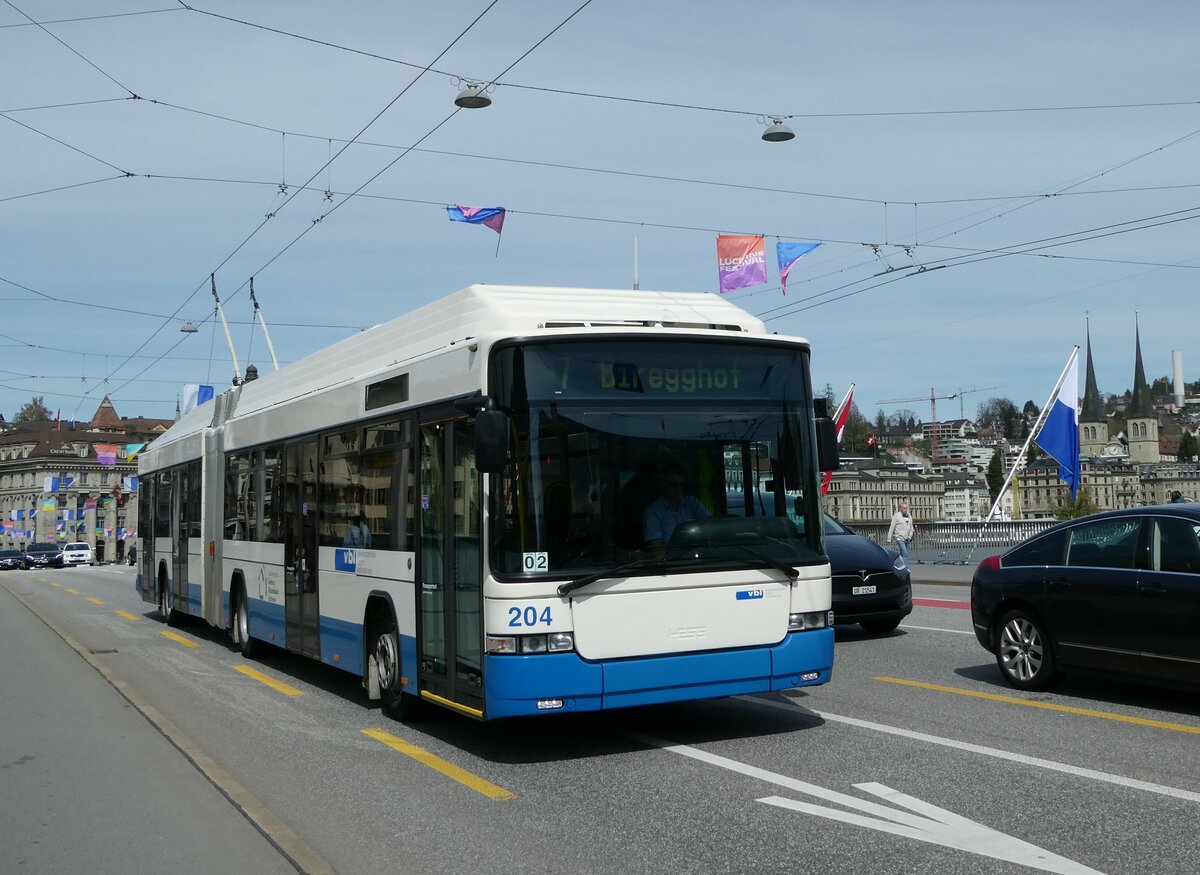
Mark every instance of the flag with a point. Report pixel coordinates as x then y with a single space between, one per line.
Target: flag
741 261
106 454
1059 435
131 451
870 440
839 418
130 483
195 394
50 484
788 254
493 217
48 505
89 504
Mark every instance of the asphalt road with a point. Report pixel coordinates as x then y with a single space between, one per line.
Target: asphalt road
916 758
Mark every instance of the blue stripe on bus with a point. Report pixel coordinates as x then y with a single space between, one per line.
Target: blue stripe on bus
344 640
514 684
265 620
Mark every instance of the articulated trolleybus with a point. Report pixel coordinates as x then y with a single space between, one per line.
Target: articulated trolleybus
454 505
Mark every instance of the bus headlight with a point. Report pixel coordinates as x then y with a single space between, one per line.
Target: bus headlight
500 644
533 644
560 642
810 620
557 642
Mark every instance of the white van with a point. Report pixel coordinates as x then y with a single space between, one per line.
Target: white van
77 553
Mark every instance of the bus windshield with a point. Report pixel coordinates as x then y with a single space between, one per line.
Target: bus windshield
688 455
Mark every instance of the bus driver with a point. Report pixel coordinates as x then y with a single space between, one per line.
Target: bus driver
671 508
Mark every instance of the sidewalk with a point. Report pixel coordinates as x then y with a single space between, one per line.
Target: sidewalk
959 575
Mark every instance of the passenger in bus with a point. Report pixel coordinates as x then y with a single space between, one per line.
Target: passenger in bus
671 508
358 535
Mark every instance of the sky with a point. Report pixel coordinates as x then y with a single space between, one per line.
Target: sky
985 180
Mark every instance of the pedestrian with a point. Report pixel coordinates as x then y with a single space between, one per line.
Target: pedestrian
1177 497
902 530
132 554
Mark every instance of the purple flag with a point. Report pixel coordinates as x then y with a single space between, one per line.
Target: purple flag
789 254
493 217
741 261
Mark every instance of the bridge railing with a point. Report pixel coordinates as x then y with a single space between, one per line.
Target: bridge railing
954 542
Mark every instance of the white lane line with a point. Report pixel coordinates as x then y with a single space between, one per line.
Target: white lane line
936 629
1036 762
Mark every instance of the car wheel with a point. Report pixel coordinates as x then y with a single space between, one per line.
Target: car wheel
250 647
1024 651
396 704
880 626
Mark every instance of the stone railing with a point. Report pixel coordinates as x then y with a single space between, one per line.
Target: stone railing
958 543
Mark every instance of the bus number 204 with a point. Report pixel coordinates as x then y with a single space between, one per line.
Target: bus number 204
528 616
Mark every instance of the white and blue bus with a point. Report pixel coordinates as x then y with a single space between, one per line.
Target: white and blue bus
451 505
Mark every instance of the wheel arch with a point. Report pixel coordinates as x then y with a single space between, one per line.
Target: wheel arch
379 609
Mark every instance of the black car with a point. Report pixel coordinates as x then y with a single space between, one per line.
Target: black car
871 585
43 555
1116 592
10 559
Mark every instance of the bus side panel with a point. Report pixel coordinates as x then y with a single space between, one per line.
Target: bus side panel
260 566
195 568
348 577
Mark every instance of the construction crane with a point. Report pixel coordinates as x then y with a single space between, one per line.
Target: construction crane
934 398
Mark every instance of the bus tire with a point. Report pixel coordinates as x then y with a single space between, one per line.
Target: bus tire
251 648
169 616
386 658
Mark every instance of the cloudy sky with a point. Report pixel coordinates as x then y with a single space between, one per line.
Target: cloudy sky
1041 156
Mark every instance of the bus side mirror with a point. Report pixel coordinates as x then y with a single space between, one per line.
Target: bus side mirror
828 458
491 441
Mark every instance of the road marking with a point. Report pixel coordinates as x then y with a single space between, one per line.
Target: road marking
127 615
1065 709
435 762
1036 762
936 629
269 681
72 591
942 603
94 600
55 583
922 821
186 642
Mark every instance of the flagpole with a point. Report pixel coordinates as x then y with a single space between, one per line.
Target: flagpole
636 283
1037 424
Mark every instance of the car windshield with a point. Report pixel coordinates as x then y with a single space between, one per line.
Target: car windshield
78 547
42 548
711 444
10 554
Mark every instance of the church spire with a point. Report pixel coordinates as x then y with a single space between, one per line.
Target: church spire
1142 403
1093 404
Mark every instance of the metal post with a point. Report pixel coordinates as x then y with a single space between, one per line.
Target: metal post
237 372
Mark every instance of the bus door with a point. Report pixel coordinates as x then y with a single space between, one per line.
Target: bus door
181 482
301 609
450 634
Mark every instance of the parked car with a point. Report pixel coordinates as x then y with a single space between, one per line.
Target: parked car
871 585
43 554
1116 592
10 559
77 553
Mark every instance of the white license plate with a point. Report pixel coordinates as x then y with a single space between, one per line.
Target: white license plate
863 590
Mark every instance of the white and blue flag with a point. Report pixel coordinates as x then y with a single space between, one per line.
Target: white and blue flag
1059 435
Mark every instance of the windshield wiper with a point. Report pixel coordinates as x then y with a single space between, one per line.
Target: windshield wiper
572 585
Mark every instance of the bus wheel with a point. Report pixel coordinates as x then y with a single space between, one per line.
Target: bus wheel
395 703
164 606
250 647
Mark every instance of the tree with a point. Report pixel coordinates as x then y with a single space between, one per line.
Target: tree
1082 505
857 428
34 411
1002 416
995 476
1188 447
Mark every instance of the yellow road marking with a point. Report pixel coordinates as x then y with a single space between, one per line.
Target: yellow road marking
186 642
269 681
127 615
55 583
72 591
435 762
1065 709
94 601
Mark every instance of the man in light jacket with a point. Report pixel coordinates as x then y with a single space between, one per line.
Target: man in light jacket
902 529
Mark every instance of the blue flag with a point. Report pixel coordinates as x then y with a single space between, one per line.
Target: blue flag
493 217
788 254
1059 435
